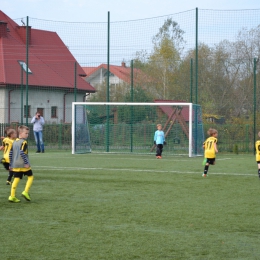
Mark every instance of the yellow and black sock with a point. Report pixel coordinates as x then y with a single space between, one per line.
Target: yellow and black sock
14 186
28 183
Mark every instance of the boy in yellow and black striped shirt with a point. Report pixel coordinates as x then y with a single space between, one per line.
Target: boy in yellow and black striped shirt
20 164
210 149
257 154
6 147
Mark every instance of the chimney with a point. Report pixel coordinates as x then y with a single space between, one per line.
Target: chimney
123 64
3 29
21 30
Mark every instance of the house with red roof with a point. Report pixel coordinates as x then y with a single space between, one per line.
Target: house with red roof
118 75
53 74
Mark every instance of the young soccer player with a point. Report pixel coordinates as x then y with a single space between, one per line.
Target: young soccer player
20 165
257 154
6 147
159 140
210 149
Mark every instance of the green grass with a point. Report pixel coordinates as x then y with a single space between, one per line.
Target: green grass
112 206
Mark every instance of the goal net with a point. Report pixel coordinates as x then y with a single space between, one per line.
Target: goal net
130 127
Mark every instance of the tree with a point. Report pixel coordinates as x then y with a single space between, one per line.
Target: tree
162 64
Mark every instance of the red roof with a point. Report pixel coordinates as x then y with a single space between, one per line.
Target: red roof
50 61
122 72
168 109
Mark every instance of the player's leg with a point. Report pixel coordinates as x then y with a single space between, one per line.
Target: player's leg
206 168
160 150
157 151
258 165
28 185
9 178
17 177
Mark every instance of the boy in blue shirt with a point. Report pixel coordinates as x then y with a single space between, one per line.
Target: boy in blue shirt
159 140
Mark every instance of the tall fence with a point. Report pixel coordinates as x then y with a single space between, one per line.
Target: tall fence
209 57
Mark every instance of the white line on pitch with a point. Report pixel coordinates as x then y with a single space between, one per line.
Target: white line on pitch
143 170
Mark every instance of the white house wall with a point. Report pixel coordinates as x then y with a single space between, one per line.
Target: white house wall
37 99
99 79
3 105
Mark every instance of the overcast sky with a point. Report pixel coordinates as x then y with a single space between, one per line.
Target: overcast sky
120 10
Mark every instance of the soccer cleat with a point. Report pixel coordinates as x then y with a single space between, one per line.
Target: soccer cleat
204 175
13 199
38 151
157 157
160 157
8 183
26 195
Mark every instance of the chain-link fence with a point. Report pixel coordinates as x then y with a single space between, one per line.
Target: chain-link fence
209 57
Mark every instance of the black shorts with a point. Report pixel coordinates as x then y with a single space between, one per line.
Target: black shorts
211 160
258 162
21 174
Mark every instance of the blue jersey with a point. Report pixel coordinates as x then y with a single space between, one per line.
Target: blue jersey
159 137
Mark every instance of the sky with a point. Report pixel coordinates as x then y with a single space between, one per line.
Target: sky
120 10
134 31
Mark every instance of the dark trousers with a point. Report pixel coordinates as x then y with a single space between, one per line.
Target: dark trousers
159 149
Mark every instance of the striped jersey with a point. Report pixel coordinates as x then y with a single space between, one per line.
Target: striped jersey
19 156
257 150
7 144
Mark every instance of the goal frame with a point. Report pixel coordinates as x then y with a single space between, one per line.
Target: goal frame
190 105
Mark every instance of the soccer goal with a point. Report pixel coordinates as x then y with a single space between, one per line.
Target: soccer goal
130 127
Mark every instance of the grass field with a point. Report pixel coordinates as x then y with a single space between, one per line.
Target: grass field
119 206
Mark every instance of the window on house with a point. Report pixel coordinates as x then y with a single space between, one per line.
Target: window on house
25 110
40 110
54 112
24 66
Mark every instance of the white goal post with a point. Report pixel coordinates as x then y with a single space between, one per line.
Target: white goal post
122 127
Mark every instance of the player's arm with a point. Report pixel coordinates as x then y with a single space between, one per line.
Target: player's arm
164 142
11 158
155 137
23 152
216 147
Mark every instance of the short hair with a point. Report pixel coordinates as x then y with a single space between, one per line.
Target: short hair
159 125
10 131
212 131
21 128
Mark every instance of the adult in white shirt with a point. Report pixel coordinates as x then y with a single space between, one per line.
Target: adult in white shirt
38 122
